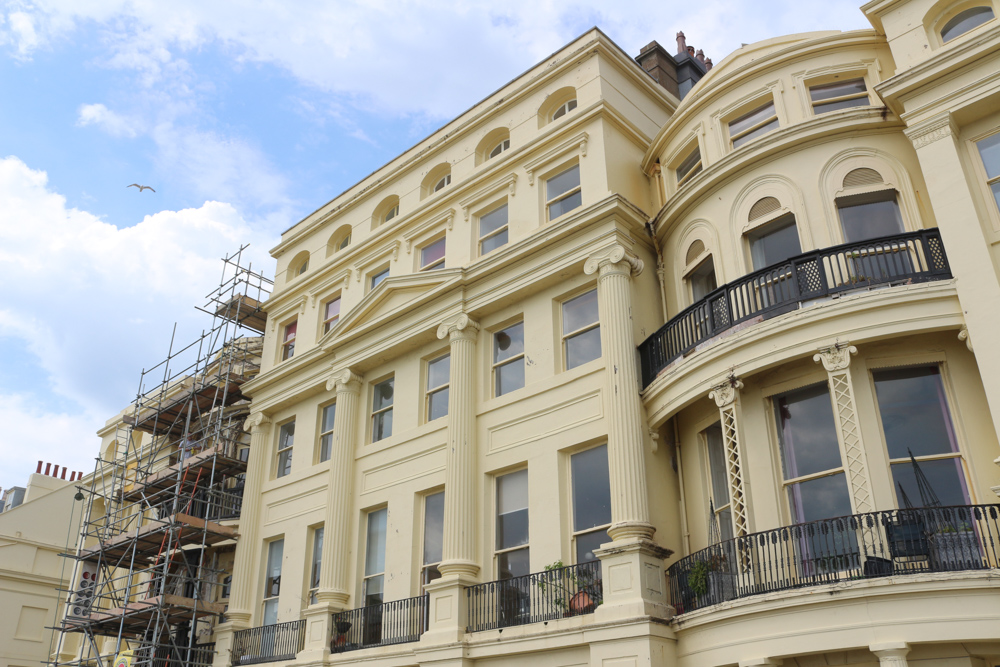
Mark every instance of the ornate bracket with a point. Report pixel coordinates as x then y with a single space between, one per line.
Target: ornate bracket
725 394
836 357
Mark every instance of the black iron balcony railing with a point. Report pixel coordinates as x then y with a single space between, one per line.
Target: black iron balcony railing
542 596
861 546
904 258
397 622
268 643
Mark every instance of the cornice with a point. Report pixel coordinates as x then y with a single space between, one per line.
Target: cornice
934 129
508 183
480 113
574 143
721 80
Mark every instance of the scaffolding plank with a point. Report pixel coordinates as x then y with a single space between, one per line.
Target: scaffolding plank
148 539
169 417
167 477
134 617
245 311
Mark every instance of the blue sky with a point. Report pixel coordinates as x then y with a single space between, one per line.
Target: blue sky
245 117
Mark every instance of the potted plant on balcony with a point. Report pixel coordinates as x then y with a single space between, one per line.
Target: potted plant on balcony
711 581
572 592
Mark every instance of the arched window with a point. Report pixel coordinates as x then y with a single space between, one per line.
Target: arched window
387 209
442 182
437 179
773 238
499 148
339 240
298 265
492 145
564 109
699 271
965 21
559 103
868 214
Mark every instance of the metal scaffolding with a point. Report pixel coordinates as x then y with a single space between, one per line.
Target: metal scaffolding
163 504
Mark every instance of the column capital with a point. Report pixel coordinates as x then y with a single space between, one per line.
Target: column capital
836 357
345 380
933 129
613 259
256 420
459 326
725 393
890 654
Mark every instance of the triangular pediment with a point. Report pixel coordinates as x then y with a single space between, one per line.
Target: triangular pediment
395 295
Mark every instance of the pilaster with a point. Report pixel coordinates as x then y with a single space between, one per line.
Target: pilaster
247 547
727 399
890 654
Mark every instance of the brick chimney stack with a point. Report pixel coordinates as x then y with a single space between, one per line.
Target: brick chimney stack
660 65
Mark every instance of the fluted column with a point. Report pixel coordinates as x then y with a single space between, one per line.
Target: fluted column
335 567
461 476
248 546
629 502
727 399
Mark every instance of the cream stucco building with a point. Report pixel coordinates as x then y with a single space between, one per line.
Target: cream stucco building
596 375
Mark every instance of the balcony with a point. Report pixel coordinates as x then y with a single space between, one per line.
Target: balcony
858 547
891 260
268 643
533 598
398 622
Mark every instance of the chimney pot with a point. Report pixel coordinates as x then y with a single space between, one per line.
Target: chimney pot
691 51
39 469
708 64
700 55
72 476
79 475
681 43
48 469
63 476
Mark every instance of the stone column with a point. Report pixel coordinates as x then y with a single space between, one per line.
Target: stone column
727 398
837 362
459 568
248 547
890 654
334 572
632 564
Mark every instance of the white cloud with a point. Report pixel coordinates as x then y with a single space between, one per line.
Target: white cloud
95 304
105 119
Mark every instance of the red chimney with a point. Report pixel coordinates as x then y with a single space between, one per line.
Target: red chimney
48 467
39 467
63 473
682 46
72 476
79 475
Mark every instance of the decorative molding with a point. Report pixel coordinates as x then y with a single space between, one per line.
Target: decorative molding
390 247
460 325
725 394
255 420
509 182
578 141
341 277
447 219
734 470
963 336
836 357
344 380
613 255
930 131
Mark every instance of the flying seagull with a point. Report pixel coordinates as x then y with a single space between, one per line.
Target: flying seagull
141 187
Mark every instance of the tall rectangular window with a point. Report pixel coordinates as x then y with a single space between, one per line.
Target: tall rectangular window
331 313
689 167
493 230
840 95
562 192
989 151
377 277
869 216
581 329
920 437
433 538
432 255
373 589
382 409
719 477
327 417
272 580
702 280
438 378
591 501
286 438
508 359
288 340
810 454
774 242
749 126
317 560
512 525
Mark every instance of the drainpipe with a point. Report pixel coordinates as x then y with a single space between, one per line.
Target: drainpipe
660 269
685 533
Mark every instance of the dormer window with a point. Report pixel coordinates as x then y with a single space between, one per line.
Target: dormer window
564 109
499 148
443 182
965 21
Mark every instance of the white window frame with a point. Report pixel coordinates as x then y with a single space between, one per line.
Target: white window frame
426 567
283 450
497 364
565 337
316 563
498 149
430 391
288 342
328 322
496 232
437 263
563 195
267 599
814 103
376 413
696 166
585 531
737 136
326 437
442 183
564 109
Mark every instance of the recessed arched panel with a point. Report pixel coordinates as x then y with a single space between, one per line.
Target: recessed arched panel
493 145
764 206
861 177
965 21
386 211
557 105
298 265
437 179
695 250
339 240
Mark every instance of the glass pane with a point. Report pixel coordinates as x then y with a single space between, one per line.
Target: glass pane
841 104
271 612
996 192
317 558
437 404
565 205
914 411
494 242
965 22
591 488
580 311
758 115
763 129
382 425
703 280
725 519
375 549
717 465
272 583
379 277
775 242
332 309
583 347
820 498
431 574
287 435
373 590
325 447
513 564
432 253
509 342
383 394
433 527
945 483
510 377
493 221
689 164
587 543
290 330
512 510
839 89
284 463
562 183
438 371
329 413
807 432
870 216
989 150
